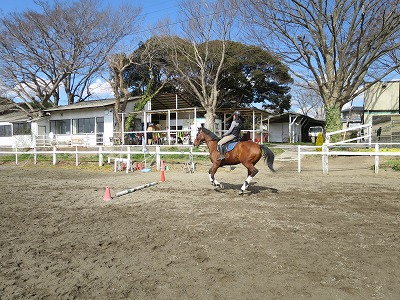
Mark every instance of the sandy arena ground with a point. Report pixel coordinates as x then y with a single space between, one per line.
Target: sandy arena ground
295 236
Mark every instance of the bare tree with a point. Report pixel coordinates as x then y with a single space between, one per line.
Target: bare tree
62 46
308 101
195 57
146 65
333 45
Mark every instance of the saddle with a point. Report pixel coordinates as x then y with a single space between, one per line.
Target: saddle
228 146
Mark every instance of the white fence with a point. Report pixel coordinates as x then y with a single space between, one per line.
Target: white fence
101 151
363 140
364 133
375 151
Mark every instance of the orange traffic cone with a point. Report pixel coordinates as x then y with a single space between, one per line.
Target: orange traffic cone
107 194
162 172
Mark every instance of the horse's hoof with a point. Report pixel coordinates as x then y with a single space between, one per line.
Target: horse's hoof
243 192
221 186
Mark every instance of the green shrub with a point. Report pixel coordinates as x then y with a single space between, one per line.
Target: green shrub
319 141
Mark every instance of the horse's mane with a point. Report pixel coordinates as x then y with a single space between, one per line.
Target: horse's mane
210 133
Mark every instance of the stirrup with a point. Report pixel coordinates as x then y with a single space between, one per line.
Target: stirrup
221 157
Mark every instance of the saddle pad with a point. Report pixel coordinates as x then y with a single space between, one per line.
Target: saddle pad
230 146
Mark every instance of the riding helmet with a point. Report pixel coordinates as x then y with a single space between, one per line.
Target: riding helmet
237 113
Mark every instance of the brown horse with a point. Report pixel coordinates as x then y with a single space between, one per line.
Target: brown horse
248 153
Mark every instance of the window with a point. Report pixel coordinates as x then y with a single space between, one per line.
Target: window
5 130
60 126
22 128
100 124
85 125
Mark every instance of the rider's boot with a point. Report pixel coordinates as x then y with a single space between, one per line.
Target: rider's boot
221 154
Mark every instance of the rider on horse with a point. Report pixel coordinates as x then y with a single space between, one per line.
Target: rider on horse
233 133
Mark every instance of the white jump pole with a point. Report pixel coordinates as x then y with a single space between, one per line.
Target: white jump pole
135 189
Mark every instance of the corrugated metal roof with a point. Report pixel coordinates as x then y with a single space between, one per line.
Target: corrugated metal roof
169 101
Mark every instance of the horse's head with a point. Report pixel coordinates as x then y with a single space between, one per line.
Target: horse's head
199 137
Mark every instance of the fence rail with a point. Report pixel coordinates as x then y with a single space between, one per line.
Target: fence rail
325 153
101 151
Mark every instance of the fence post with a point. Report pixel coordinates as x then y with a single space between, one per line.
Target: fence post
158 158
100 156
16 155
369 134
298 159
128 161
76 156
54 155
376 169
34 156
325 162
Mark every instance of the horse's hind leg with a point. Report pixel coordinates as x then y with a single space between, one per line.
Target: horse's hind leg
251 172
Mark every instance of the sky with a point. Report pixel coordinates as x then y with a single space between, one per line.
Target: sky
151 9
152 12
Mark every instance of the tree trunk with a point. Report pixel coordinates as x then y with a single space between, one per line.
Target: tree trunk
210 119
333 120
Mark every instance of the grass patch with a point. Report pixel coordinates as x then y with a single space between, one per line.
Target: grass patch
392 163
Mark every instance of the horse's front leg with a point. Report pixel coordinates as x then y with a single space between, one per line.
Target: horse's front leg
211 175
251 172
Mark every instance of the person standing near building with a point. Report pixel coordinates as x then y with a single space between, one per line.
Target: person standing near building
149 136
378 133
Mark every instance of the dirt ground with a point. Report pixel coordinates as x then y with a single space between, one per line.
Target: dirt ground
294 236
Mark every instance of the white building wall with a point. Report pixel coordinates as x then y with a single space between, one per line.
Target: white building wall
88 138
20 141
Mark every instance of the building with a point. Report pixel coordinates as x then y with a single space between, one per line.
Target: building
382 110
352 116
291 128
382 98
93 123
15 126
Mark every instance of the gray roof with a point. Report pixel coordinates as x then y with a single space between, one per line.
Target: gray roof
15 116
83 104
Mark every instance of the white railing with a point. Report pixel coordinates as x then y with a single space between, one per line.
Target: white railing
364 133
101 151
78 139
325 153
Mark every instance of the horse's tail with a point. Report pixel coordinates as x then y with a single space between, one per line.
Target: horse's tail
269 157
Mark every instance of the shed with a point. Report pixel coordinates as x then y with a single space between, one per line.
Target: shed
290 127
